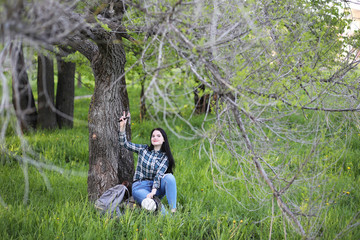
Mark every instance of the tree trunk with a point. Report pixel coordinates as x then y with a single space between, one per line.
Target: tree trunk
108 164
65 93
22 97
201 102
142 101
45 82
79 83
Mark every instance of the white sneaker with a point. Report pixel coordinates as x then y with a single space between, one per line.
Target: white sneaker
149 204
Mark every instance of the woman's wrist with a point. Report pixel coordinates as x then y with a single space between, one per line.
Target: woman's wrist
152 193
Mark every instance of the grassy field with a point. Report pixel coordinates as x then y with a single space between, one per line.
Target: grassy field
57 207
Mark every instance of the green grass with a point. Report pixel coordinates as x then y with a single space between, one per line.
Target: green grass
204 211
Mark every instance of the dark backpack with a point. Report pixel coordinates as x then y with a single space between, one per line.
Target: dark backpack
110 200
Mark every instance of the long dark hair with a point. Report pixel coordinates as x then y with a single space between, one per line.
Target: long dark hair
165 147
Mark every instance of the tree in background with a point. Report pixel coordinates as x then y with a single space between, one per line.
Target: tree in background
46 95
65 93
22 97
48 115
284 77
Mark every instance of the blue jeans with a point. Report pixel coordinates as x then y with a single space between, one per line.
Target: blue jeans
142 188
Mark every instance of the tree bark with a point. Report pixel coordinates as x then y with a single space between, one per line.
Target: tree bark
65 93
45 83
22 97
108 164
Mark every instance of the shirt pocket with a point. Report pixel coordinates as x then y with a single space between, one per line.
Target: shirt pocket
158 161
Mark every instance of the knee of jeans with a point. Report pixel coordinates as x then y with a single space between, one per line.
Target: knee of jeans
169 178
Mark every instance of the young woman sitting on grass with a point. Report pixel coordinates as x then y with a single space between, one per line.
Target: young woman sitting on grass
153 175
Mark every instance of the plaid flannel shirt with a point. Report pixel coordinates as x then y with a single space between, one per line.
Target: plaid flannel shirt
151 165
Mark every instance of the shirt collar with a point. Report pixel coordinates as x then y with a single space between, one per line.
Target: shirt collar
157 152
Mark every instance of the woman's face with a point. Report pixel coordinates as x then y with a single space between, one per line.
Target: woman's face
157 138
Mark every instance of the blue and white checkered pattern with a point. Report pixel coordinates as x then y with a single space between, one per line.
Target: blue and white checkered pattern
151 165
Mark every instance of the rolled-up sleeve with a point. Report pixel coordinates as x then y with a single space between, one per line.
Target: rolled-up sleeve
160 172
